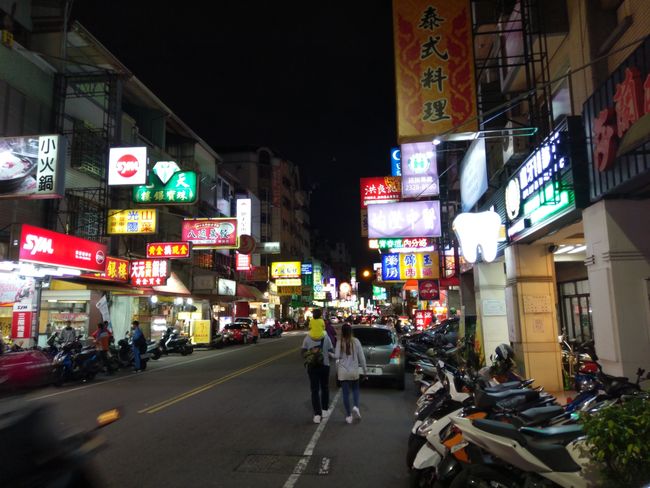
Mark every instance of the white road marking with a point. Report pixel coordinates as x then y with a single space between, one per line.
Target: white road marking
309 450
131 376
324 466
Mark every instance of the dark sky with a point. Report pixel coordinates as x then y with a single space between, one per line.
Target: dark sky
312 80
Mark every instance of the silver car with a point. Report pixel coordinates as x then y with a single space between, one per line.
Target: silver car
384 354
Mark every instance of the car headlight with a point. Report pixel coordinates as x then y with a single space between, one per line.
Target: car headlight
426 427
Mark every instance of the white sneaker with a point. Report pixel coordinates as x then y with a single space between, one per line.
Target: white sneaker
348 419
356 413
317 419
326 413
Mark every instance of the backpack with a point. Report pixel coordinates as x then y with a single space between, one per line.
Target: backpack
314 359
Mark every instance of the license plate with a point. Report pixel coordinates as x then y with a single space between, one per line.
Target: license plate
372 371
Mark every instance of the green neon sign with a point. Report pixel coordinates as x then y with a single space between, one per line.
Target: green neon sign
180 189
537 211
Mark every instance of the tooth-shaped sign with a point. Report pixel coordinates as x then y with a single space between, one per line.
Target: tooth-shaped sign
478 230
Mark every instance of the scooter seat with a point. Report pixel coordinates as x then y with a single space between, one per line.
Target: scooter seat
502 387
540 414
501 429
507 398
562 433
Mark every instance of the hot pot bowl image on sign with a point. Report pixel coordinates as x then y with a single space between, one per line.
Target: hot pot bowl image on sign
14 170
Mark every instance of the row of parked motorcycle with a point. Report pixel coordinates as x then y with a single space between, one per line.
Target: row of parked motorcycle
490 427
60 362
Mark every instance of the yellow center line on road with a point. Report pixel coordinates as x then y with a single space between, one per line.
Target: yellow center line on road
199 389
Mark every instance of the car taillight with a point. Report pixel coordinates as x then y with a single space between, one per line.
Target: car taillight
396 355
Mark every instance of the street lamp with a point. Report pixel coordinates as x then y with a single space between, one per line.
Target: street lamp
366 273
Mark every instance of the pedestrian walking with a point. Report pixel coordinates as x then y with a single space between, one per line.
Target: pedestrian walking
255 331
137 338
350 358
316 350
102 338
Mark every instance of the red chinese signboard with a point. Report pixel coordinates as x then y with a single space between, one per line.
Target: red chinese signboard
149 272
170 250
21 324
117 270
631 102
423 318
211 233
44 246
242 262
429 289
380 189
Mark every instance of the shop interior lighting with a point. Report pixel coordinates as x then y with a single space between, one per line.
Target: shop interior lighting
190 301
154 299
563 249
577 249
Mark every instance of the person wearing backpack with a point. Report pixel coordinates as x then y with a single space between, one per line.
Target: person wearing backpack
350 358
316 350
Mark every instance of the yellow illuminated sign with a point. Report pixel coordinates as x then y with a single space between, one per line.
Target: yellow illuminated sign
288 282
285 269
201 331
133 221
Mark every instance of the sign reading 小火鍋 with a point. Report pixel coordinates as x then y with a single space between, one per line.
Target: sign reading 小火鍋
169 250
168 185
434 68
380 189
117 270
133 221
32 166
149 272
43 246
211 233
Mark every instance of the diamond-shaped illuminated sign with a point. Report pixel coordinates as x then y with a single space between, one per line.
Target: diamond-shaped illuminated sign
165 170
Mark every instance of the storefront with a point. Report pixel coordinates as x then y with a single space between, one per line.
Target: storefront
617 126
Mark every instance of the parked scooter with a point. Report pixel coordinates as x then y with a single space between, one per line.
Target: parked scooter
172 341
126 356
75 362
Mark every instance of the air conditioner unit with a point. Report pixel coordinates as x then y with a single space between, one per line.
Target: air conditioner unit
513 147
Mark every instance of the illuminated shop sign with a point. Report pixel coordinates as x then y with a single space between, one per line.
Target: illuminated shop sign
306 268
288 282
404 219
226 287
550 183
127 166
379 293
410 266
31 167
380 189
133 221
473 175
395 162
399 243
117 270
429 289
419 170
423 318
480 230
211 233
169 250
168 185
149 272
287 269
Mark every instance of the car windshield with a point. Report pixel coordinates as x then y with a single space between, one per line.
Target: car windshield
233 326
373 337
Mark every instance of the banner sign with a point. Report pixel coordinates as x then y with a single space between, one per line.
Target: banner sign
211 233
423 318
149 272
399 243
117 270
44 246
32 167
180 189
284 291
127 166
410 266
288 282
226 287
434 70
405 219
288 269
169 250
242 262
429 289
419 170
201 331
24 320
133 221
380 189
395 162
473 175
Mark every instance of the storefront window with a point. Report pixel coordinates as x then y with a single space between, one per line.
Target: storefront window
576 310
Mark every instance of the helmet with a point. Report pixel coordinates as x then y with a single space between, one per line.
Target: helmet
504 352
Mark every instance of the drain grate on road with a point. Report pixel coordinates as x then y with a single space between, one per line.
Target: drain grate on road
284 464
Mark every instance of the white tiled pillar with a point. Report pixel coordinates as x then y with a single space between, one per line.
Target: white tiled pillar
490 293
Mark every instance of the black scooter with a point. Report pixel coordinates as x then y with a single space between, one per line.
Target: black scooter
125 354
172 341
75 362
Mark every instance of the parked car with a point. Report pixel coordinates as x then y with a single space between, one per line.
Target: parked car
239 332
384 354
24 369
270 328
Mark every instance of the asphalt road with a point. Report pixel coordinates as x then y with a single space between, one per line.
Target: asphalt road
237 417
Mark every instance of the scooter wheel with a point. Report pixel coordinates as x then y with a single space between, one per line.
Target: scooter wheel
156 354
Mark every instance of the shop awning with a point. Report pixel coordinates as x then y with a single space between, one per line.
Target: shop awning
174 286
249 293
410 285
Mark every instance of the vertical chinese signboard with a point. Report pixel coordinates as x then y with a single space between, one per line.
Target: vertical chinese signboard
434 67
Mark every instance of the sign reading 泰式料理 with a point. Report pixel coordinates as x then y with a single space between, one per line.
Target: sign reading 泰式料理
404 219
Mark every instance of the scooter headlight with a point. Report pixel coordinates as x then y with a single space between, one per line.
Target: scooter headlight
426 426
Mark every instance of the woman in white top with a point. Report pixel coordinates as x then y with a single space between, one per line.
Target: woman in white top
350 358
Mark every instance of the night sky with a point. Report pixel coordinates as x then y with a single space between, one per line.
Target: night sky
314 81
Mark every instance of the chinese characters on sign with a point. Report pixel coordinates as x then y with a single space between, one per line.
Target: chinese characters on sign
288 269
399 243
149 272
169 250
133 221
179 190
116 270
410 266
211 233
380 189
423 318
419 170
30 167
434 67
405 219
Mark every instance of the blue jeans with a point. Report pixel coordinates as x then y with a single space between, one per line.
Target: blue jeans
136 358
320 389
346 385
